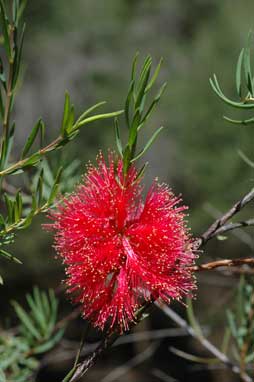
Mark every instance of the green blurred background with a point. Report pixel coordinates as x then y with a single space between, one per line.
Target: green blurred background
86 47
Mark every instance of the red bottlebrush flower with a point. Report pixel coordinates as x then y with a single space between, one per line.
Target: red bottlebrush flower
118 250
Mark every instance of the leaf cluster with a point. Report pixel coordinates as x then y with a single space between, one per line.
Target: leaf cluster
244 83
136 112
36 334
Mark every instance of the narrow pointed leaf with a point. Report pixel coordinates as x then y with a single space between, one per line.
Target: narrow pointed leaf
154 77
148 145
26 321
143 81
50 343
18 58
32 137
128 102
55 186
90 110
239 74
118 140
134 66
98 117
5 26
247 70
21 9
9 256
67 106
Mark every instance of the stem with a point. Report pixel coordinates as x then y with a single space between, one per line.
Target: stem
216 227
222 263
9 91
20 164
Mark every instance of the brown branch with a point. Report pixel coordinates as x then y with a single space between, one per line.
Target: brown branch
222 263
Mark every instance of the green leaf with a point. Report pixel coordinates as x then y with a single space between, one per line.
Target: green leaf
232 323
5 27
55 187
39 188
51 343
53 309
9 207
2 221
134 128
21 9
15 6
98 117
144 77
245 122
239 73
17 60
9 256
128 102
38 315
45 303
247 160
90 110
70 374
148 145
141 172
70 122
154 102
31 138
247 70
18 206
216 88
26 320
134 66
118 140
67 107
154 77
1 105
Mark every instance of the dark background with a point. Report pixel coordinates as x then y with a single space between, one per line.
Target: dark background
87 47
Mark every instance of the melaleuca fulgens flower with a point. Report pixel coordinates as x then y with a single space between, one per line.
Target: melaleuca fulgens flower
119 250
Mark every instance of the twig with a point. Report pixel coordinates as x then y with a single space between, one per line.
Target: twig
106 343
85 365
215 228
239 233
222 263
232 226
206 344
162 376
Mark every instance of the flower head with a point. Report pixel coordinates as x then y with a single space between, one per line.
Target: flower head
118 250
